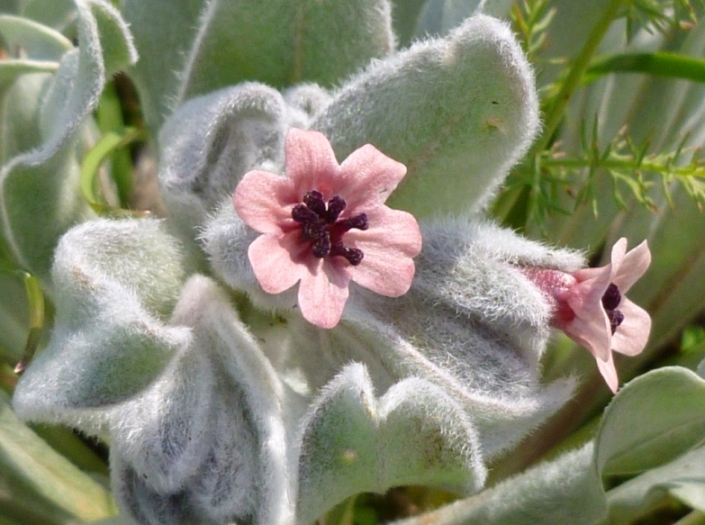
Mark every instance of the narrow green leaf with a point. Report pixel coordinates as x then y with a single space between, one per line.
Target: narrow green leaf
65 441
660 64
35 298
110 118
11 69
35 325
39 483
109 143
27 38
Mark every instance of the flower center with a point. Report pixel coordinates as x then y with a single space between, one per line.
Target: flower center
321 225
610 302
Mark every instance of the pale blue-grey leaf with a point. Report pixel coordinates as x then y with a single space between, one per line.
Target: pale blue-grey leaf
413 435
458 111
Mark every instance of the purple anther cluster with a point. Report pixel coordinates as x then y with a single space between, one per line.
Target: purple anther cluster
321 225
610 302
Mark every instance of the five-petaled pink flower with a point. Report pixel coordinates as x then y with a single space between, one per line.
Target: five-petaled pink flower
326 224
590 307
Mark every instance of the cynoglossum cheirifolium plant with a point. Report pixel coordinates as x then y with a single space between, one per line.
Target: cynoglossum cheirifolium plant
310 393
226 391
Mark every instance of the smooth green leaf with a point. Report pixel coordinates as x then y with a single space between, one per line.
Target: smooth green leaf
39 483
661 64
14 317
683 479
108 143
35 300
109 117
651 421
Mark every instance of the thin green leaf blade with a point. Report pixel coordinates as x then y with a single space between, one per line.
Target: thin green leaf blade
42 483
661 64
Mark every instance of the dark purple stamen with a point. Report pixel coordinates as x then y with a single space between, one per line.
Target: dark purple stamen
358 221
303 214
313 230
616 318
610 301
611 297
321 246
335 206
353 255
320 224
314 200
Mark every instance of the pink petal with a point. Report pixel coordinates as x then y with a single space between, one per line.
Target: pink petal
310 162
609 373
368 176
323 292
596 280
634 265
389 244
619 250
591 323
277 261
633 334
593 332
261 200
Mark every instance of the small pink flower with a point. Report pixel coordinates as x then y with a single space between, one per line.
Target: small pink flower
590 306
325 224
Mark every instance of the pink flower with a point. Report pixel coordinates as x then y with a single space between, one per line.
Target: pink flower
325 224
590 307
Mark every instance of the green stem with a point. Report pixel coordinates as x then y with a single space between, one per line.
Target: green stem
626 164
35 299
554 113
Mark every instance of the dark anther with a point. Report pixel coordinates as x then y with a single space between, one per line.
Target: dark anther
313 230
616 318
335 206
302 213
320 224
321 246
353 255
358 221
314 200
611 298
